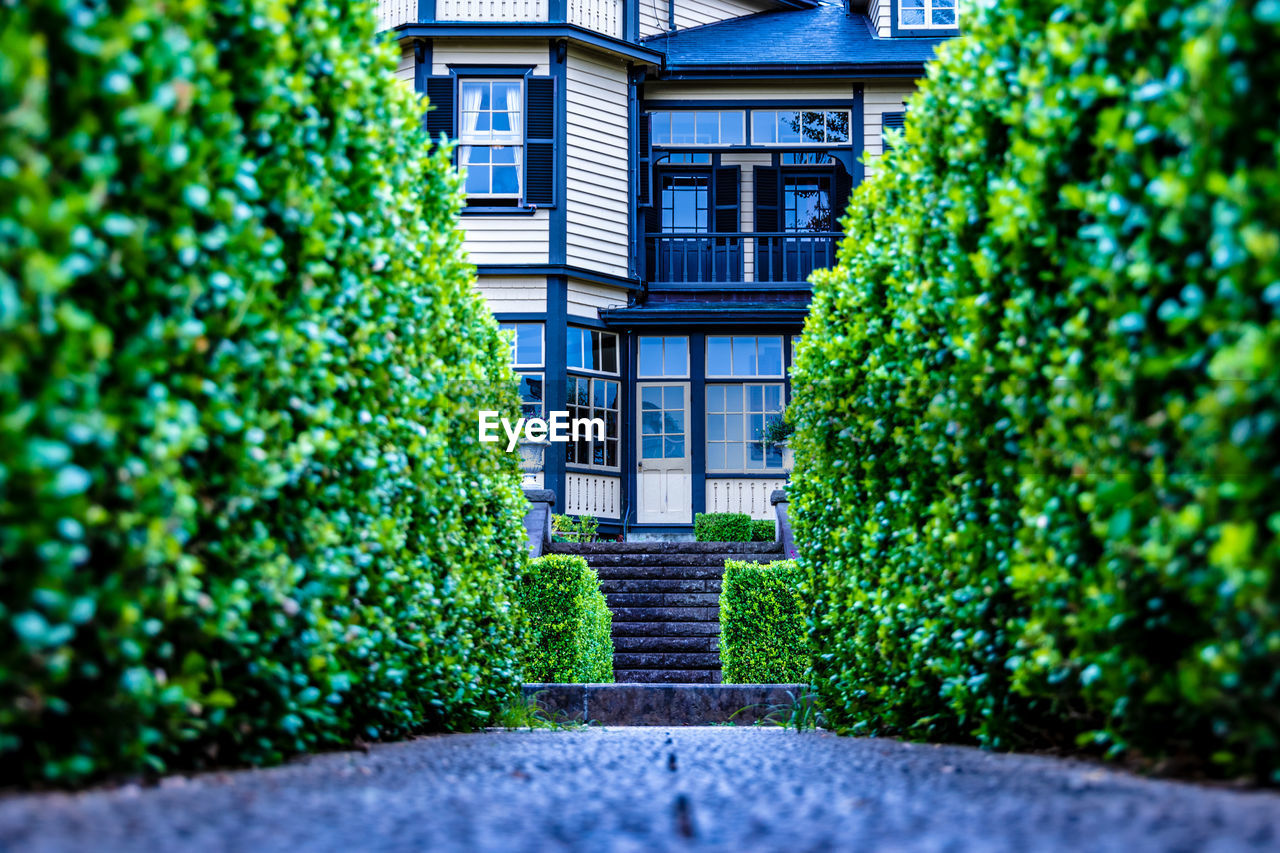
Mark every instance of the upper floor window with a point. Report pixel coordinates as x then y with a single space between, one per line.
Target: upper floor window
592 350
698 127
492 136
933 14
800 127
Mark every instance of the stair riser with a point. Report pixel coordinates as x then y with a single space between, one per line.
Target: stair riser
662 599
667 660
632 645
666 614
660 560
666 676
669 573
665 548
665 629
652 585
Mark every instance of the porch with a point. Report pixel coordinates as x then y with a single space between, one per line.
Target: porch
740 257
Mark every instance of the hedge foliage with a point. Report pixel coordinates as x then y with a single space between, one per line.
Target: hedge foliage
762 530
1038 419
722 527
569 638
762 623
243 512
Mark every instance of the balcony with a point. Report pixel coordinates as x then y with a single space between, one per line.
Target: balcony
607 17
763 258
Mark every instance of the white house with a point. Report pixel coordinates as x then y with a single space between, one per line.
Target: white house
649 185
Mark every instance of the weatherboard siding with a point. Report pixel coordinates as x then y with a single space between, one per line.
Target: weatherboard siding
446 52
879 14
405 68
782 91
879 98
505 239
514 294
654 14
597 140
587 299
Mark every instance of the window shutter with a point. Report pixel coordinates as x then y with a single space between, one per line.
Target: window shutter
890 121
843 189
644 167
440 115
724 181
539 137
767 199
651 219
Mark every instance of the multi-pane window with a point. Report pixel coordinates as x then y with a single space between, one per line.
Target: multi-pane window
662 422
526 351
684 204
806 203
800 127
526 343
698 127
491 136
592 350
589 397
744 355
736 420
939 14
664 356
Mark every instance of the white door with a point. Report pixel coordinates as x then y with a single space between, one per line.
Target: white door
663 484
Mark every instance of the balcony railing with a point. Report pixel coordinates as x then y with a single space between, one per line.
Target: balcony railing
607 17
736 257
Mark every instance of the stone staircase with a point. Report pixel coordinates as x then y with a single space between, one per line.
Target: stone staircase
665 599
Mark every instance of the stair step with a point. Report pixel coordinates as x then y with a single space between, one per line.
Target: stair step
716 559
663 704
666 676
666 644
666 660
667 614
646 628
708 573
669 548
662 599
651 585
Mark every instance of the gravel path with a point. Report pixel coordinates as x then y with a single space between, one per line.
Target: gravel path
646 789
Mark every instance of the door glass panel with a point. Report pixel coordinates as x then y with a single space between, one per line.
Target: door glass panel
684 204
806 203
662 422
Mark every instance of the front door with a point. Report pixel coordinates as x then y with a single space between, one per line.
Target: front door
663 483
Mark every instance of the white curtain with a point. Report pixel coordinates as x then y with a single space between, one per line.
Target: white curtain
513 110
470 108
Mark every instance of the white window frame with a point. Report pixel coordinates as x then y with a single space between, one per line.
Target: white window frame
930 8
719 134
514 328
490 139
617 353
746 440
590 412
826 142
757 338
666 340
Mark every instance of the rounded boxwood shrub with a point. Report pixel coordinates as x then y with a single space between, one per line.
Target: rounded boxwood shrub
243 511
762 623
722 527
569 639
763 530
1038 419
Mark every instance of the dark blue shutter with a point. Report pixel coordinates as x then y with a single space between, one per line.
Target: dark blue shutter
644 167
843 188
440 98
768 216
540 141
725 198
891 121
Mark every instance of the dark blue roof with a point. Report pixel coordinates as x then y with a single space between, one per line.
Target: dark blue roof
794 38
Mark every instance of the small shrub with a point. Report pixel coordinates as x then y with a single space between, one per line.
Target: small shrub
564 528
569 625
763 530
762 628
722 527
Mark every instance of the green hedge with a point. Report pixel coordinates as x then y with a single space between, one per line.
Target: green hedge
569 639
762 626
1038 419
722 527
762 530
243 511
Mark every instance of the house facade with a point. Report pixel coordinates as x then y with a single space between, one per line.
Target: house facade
649 185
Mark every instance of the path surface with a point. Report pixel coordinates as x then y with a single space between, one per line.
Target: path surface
645 789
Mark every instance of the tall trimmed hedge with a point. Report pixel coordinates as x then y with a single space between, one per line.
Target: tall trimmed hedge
569 638
243 512
762 623
1038 402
